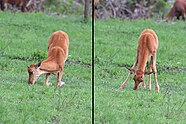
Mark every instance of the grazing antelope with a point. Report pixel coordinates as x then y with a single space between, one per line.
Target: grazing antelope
54 64
24 4
178 9
147 48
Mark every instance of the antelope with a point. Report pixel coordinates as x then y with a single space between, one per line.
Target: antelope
54 64
96 2
178 9
147 48
24 4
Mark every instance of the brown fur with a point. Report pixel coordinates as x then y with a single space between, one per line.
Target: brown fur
57 55
95 7
147 48
178 9
20 3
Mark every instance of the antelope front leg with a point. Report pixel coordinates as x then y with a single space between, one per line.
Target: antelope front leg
5 6
155 72
59 76
47 79
124 83
150 70
143 85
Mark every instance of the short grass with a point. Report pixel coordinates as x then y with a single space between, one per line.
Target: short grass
23 41
115 48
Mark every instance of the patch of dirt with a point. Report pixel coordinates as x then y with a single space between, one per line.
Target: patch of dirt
87 65
159 67
172 69
68 62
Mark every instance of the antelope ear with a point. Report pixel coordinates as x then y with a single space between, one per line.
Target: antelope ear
37 65
148 73
131 69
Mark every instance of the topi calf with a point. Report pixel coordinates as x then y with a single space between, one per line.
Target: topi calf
54 64
147 48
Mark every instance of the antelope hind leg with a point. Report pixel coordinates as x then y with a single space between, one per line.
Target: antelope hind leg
59 82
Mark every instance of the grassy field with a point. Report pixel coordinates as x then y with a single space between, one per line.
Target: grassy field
115 48
23 41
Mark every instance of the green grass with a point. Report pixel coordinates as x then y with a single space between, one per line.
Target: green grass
24 39
115 48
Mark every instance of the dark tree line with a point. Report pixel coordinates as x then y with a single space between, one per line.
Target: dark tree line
131 9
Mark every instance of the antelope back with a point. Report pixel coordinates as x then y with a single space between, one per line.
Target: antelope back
59 39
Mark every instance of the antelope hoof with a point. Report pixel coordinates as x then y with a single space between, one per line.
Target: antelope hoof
143 86
158 89
48 84
122 86
149 88
60 84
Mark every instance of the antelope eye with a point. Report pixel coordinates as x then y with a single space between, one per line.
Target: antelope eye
141 76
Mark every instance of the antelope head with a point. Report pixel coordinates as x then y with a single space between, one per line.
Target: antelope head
138 76
34 72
